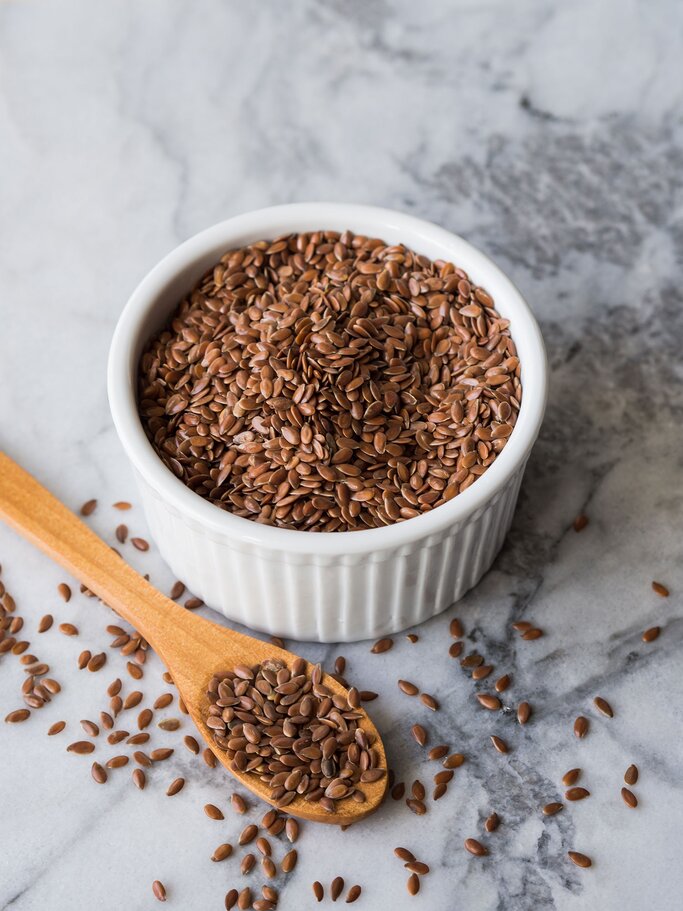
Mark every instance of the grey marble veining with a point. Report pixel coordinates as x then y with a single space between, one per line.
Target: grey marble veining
548 134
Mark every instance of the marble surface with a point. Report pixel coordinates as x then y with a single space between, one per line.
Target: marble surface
548 134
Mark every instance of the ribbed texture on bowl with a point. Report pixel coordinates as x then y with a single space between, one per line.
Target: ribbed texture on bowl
332 599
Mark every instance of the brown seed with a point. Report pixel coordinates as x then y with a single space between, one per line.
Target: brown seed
631 775
660 589
56 728
248 863
502 683
521 626
163 701
193 603
136 739
134 670
64 591
222 852
99 773
177 590
121 504
45 623
17 716
475 847
159 890
581 860
455 628
244 899
398 791
230 899
571 777
492 822
416 806
481 672
81 747
248 834
523 712
336 888
382 645
121 533
289 861
581 726
191 744
533 633
488 701
419 734
651 634
139 779
114 688
169 724
175 786
416 866
577 794
132 700
454 761
88 508
412 637
629 798
353 894
580 522
209 758
429 701
438 752
68 629
550 809
367 696
90 728
318 891
408 688
239 804
139 543
455 650
97 662
142 758
413 884
603 706
213 812
160 754
405 855
117 762
499 744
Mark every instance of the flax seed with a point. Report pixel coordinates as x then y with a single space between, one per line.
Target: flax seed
629 798
581 860
550 809
603 706
336 888
159 890
577 794
660 589
499 744
571 777
581 726
475 847
651 634
631 775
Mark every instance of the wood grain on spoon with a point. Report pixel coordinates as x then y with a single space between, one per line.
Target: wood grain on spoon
192 648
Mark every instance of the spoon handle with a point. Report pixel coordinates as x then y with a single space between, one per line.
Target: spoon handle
36 514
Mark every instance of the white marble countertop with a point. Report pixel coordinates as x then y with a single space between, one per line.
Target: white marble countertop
549 135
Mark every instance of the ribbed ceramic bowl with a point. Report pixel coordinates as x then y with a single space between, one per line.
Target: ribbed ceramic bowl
336 586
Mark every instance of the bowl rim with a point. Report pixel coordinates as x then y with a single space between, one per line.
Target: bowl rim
274 221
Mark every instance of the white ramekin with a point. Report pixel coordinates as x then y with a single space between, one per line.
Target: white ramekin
335 586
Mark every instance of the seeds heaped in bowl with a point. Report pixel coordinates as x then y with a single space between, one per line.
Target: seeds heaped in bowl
327 381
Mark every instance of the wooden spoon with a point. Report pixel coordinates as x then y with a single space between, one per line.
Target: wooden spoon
193 649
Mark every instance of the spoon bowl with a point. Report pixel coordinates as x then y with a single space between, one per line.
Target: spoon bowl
192 648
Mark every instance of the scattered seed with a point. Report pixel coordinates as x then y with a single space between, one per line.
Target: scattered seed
405 855
159 890
97 662
117 762
222 852
631 775
651 634
159 755
581 726
64 591
413 884
318 891
533 633
580 522
481 672
660 589
292 830
523 712
213 812
132 700
121 533
99 773
581 860
492 822
455 628
416 866
17 716
169 724
177 590
455 649
499 744
193 603
412 637
239 804
408 688
230 899
488 701
139 779
68 629
416 806
209 757
139 544
175 786
121 504
429 701
419 734
454 761
248 834
398 790
353 894
438 752
475 847
502 683
603 706
45 623
248 863
244 899
629 798
571 777
90 728
336 888
88 508
289 861
56 728
550 809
